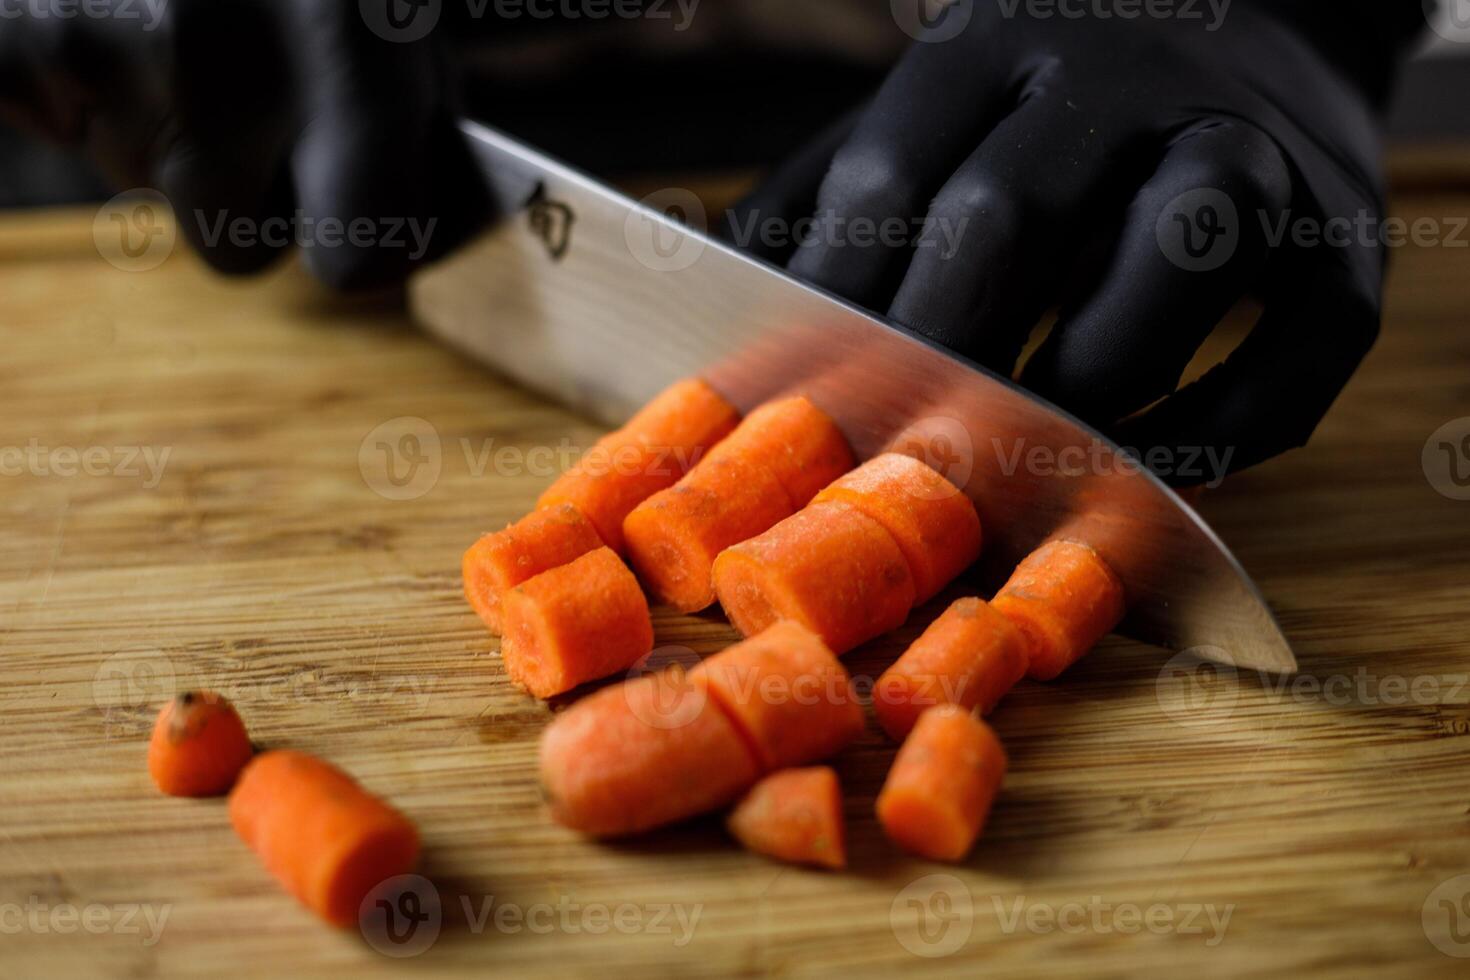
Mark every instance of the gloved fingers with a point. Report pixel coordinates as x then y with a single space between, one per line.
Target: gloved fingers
1003 229
224 168
1194 240
382 178
926 117
758 222
234 212
1270 393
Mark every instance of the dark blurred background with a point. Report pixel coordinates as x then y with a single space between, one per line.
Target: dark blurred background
737 91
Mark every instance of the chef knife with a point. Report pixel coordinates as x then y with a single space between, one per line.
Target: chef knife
600 301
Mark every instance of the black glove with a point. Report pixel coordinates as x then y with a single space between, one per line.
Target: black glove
298 116
1135 173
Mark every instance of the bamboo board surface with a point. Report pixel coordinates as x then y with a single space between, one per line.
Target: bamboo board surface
1157 819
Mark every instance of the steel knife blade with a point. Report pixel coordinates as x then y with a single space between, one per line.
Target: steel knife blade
597 300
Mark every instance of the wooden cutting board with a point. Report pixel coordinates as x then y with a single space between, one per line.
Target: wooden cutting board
228 520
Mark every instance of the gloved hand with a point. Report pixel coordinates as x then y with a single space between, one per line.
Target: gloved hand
297 116
1135 174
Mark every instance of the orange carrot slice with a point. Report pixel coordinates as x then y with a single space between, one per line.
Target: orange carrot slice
324 837
786 693
1064 598
944 778
762 473
674 536
932 520
657 447
541 540
829 567
796 441
569 625
971 656
794 815
641 754
199 746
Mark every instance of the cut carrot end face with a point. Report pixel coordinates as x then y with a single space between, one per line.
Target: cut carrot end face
540 541
971 655
829 567
932 521
942 783
641 754
795 441
573 624
674 536
657 447
198 746
786 693
1064 598
794 815
324 837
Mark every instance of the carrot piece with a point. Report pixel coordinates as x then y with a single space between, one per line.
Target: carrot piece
674 536
829 567
970 656
641 754
657 446
325 838
794 815
542 540
786 693
569 625
198 747
1064 598
932 520
796 441
759 475
943 780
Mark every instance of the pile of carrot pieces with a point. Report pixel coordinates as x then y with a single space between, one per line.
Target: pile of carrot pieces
809 554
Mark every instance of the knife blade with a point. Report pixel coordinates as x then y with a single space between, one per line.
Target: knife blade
600 301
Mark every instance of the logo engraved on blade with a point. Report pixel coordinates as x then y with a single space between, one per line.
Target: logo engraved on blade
551 221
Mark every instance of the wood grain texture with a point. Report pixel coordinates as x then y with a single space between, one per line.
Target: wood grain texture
263 564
